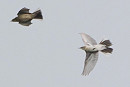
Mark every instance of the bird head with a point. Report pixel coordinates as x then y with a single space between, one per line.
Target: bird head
15 20
83 47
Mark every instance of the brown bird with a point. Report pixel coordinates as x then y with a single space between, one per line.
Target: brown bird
24 17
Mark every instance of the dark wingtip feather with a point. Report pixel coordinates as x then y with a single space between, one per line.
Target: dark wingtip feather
106 42
108 50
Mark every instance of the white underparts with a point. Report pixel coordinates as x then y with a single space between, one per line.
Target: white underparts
93 48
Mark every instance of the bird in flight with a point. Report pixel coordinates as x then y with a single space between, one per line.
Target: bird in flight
24 17
92 49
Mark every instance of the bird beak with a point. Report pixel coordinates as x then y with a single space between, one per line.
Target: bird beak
80 48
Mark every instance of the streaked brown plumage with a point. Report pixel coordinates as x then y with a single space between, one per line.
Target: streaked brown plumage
24 17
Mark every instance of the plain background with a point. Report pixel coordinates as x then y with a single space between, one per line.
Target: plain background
46 53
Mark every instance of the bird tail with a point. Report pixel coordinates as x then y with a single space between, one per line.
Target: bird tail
38 14
107 50
107 43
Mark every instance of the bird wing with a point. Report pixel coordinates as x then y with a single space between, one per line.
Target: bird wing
90 62
25 23
87 39
23 11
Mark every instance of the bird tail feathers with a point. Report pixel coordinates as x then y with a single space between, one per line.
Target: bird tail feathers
107 50
106 42
38 14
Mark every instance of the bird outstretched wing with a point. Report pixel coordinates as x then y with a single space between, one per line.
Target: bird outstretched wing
87 39
90 62
23 11
25 23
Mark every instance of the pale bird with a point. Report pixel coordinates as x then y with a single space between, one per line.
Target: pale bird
24 17
92 49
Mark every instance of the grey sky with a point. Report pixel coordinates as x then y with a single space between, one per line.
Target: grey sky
46 53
